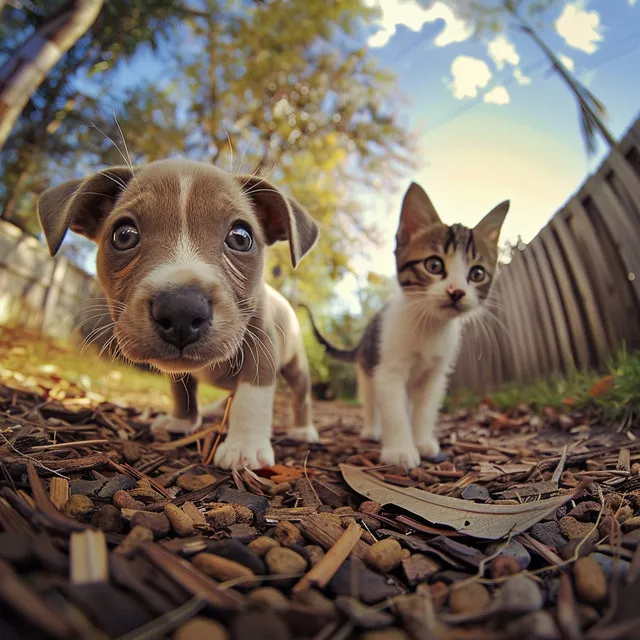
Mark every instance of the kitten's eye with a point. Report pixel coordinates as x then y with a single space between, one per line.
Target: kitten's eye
239 238
477 274
434 265
125 237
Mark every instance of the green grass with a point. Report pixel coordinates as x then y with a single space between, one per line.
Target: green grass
618 403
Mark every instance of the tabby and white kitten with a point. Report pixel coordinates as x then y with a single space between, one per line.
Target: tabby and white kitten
410 346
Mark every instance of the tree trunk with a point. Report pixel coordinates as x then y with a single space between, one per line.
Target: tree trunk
25 70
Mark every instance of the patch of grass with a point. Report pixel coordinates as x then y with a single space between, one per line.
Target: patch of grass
29 358
613 396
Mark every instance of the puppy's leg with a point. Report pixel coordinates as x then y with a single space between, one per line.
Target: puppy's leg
426 399
391 398
248 443
296 373
185 418
371 429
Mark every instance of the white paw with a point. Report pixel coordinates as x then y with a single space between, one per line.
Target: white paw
429 447
232 454
175 425
407 457
370 434
304 434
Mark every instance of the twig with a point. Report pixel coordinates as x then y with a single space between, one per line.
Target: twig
68 445
560 468
34 460
209 459
183 442
320 575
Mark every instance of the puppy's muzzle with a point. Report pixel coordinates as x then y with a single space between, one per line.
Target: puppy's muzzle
181 316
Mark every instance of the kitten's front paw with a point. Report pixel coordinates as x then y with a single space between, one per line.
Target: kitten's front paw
429 447
304 434
232 454
407 457
175 425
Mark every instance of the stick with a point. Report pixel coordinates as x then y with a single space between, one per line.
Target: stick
68 445
321 574
209 459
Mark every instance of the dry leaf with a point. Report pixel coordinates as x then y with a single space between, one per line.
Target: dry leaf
569 402
487 521
600 387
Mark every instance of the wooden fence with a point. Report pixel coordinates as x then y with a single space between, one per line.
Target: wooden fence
571 298
36 291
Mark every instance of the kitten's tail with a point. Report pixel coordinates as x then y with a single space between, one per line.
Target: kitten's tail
341 355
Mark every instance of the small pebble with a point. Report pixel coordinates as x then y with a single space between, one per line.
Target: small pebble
504 566
259 624
316 600
281 561
182 524
270 597
315 553
370 506
572 528
513 549
201 629
238 552
518 595
538 625
624 513
244 533
158 523
79 507
590 581
221 517
135 538
123 500
469 598
475 492
586 511
262 544
244 515
439 593
219 568
191 482
131 452
631 524
287 534
108 519
549 534
120 482
384 555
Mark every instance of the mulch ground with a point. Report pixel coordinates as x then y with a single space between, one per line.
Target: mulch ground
106 533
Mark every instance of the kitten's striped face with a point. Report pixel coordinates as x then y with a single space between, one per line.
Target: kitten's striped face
449 268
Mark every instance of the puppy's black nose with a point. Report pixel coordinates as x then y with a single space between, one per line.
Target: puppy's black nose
456 295
180 316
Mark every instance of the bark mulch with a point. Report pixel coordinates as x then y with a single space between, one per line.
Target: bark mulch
106 533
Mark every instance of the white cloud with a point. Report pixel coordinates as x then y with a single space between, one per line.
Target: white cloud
520 77
580 29
567 61
468 76
412 15
497 95
502 50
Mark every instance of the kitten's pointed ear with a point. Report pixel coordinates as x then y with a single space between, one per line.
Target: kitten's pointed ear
282 218
417 212
490 225
80 205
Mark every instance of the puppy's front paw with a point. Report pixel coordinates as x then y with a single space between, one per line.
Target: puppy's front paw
429 447
234 455
407 457
304 434
175 425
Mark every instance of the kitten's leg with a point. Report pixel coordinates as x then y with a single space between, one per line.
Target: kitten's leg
427 399
185 417
248 443
371 417
390 387
296 373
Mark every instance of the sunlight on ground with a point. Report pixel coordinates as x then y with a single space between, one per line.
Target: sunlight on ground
32 362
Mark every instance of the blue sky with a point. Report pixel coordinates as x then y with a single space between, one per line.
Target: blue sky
491 121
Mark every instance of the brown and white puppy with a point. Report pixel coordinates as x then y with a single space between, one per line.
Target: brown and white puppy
181 249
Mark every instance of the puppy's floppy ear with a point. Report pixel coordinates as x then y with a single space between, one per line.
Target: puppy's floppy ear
282 218
417 212
80 205
491 224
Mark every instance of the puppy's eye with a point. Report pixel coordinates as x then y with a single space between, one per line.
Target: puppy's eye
434 265
125 236
239 238
477 274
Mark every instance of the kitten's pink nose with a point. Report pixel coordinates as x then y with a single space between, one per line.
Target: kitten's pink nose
455 294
